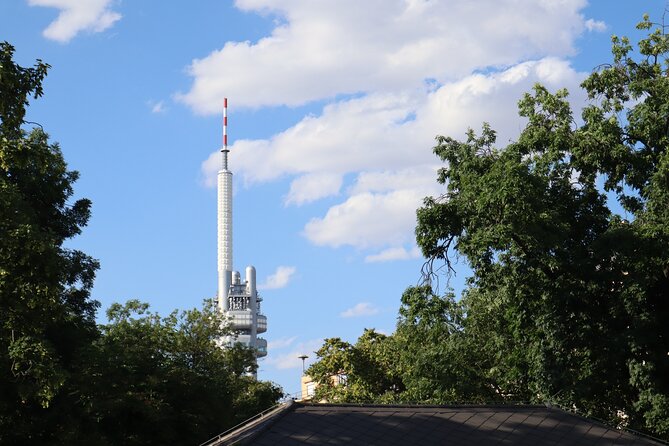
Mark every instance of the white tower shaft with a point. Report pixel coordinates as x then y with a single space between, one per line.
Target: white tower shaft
224 237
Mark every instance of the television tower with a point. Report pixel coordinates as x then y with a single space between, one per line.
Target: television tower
238 301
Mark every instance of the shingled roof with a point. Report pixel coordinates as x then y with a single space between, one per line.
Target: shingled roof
388 425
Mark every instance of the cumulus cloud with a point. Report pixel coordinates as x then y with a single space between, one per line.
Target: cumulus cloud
290 359
370 132
322 49
389 153
595 25
277 344
279 279
311 187
389 131
359 310
390 254
366 220
76 16
157 106
393 75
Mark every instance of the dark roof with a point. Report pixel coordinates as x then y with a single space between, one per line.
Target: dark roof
304 424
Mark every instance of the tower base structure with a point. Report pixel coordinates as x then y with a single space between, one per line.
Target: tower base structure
242 311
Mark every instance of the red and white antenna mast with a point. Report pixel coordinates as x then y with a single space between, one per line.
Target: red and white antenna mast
225 150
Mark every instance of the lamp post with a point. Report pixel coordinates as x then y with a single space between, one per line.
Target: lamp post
303 358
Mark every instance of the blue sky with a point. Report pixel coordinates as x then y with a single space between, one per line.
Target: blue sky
333 109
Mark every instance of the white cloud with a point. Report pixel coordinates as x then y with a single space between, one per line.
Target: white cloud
279 279
290 360
379 211
76 16
359 310
367 220
311 187
382 142
393 74
157 107
209 168
277 344
390 254
419 177
595 25
369 132
319 50
388 132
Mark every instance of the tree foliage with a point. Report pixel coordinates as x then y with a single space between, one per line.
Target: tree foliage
566 232
46 316
165 379
421 362
356 373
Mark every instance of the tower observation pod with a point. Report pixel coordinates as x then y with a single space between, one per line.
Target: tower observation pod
238 301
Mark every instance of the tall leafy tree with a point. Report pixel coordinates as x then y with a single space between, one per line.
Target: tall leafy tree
435 358
46 315
579 291
164 380
431 358
356 373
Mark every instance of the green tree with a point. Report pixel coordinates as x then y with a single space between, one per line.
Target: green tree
579 292
428 359
46 316
435 359
363 372
165 379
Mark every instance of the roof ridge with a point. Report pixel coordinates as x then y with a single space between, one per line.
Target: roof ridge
253 426
603 423
419 405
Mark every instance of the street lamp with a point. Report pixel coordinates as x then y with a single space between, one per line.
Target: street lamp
303 358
